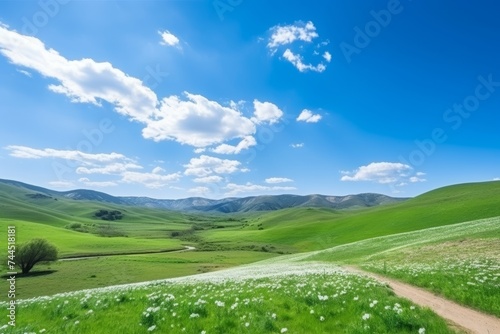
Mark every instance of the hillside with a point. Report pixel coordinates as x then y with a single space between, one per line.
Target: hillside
225 205
318 228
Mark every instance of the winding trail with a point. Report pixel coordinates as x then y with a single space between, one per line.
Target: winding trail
186 249
466 319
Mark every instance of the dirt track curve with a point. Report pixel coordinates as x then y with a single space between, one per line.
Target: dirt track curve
466 319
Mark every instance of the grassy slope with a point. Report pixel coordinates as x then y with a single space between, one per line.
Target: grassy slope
71 243
99 272
460 261
312 229
292 229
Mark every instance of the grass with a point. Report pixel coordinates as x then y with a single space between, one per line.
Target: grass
283 298
65 276
380 239
71 243
460 262
306 229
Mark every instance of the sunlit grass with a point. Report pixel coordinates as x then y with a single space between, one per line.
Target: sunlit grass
284 298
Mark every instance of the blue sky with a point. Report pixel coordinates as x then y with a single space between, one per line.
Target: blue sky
172 99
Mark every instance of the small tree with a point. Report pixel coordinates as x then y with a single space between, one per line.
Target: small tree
33 252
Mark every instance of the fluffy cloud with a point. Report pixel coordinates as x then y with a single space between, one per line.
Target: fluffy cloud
89 159
298 61
100 164
384 173
273 180
244 144
298 145
327 56
283 35
266 112
197 121
103 184
193 120
85 80
114 168
199 190
308 117
303 34
151 180
61 184
168 38
206 165
208 179
234 189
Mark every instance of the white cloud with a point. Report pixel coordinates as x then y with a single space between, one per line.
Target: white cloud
91 159
298 145
61 184
496 179
199 150
415 179
158 170
327 56
197 121
266 112
298 61
26 73
103 184
234 189
208 179
308 117
85 80
114 168
151 180
284 35
168 38
207 165
199 190
289 36
384 173
273 180
244 144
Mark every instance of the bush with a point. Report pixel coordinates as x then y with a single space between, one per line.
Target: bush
33 252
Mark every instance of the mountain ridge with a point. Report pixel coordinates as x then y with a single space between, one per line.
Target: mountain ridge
224 205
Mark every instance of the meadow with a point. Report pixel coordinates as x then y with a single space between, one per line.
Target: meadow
422 241
278 297
460 262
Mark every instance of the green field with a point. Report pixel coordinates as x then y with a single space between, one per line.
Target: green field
313 228
283 298
64 276
422 241
460 262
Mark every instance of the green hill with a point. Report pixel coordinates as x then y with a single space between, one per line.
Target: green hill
304 229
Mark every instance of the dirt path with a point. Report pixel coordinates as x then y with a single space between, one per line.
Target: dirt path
466 319
186 249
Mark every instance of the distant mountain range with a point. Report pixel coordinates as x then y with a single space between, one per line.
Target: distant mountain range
225 205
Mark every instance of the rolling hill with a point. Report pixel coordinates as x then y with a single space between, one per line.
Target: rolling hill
305 229
226 205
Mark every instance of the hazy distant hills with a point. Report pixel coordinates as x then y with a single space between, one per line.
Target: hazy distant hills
226 205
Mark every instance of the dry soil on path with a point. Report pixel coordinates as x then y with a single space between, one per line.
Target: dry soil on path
465 319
